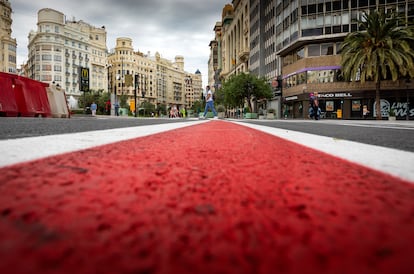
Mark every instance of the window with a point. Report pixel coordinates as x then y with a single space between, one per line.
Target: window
327 49
47 67
46 78
314 50
46 57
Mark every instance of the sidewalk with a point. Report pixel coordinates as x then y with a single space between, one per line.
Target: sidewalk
215 197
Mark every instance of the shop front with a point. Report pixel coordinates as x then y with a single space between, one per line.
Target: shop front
351 105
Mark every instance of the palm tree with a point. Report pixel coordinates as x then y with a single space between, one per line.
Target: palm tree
383 48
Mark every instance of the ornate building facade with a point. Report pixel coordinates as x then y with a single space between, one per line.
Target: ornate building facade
152 79
235 38
60 47
7 43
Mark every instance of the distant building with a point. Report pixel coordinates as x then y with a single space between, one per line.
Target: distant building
152 79
8 44
215 61
60 47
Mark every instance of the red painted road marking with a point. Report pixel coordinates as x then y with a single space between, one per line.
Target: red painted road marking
211 198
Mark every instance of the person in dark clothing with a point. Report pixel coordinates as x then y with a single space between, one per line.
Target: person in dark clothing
314 110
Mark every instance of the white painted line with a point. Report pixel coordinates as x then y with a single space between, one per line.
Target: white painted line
15 151
392 161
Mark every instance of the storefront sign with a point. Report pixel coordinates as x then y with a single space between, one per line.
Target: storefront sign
291 98
335 95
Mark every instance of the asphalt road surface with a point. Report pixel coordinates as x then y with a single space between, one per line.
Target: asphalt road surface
395 134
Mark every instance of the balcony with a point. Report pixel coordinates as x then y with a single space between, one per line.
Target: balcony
244 55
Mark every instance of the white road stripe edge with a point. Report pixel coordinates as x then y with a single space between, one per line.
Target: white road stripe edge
392 161
395 162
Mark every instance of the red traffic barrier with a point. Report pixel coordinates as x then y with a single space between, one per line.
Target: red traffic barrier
8 104
31 97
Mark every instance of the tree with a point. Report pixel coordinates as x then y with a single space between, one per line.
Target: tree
381 50
243 87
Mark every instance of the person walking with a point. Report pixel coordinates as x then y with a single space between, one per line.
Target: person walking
209 103
93 108
116 105
314 110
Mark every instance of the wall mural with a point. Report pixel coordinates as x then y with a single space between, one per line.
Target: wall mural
400 109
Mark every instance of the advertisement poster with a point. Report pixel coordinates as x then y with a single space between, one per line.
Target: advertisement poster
329 105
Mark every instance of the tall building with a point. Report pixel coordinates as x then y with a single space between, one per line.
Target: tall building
235 38
263 58
308 38
60 47
295 44
215 61
8 44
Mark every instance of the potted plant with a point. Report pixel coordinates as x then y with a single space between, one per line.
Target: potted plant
221 111
248 114
270 113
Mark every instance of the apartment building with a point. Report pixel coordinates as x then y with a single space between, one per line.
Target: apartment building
8 44
152 79
308 39
298 41
60 47
235 38
263 60
215 60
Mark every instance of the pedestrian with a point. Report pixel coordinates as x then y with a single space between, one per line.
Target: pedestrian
93 108
314 110
108 107
116 105
209 103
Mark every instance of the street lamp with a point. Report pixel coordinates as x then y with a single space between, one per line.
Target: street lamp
109 78
144 90
135 93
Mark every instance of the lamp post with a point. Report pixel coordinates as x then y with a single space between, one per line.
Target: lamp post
135 93
144 90
109 78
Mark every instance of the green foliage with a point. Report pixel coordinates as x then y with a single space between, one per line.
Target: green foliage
198 106
123 101
161 109
146 108
383 50
243 87
99 97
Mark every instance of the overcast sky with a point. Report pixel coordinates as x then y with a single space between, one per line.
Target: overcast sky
171 27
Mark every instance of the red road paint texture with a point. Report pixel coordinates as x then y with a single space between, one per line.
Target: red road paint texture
211 198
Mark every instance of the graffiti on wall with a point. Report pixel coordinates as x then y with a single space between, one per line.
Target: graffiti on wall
400 109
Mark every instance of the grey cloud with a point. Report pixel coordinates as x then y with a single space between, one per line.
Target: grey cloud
171 27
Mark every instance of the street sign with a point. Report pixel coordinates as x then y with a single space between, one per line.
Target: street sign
84 79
